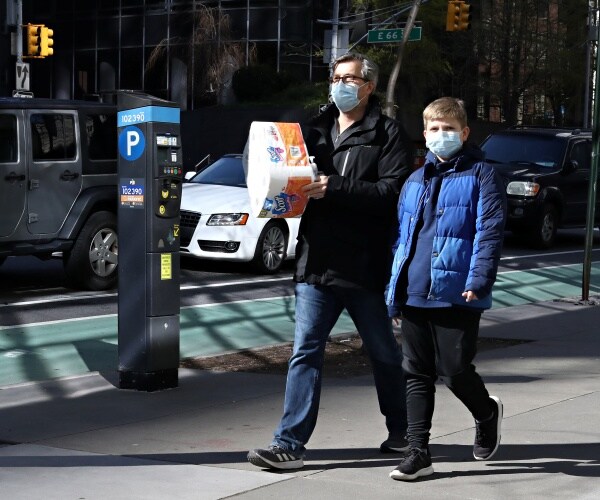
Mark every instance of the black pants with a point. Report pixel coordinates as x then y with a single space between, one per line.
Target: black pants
440 341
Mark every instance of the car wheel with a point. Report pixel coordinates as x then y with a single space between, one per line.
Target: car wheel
271 248
92 262
544 234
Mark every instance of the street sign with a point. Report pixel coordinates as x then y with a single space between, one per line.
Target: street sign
22 76
393 35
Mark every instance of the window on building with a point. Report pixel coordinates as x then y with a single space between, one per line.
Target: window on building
53 136
8 139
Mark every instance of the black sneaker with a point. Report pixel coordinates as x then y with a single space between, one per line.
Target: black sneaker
416 464
394 445
275 457
487 434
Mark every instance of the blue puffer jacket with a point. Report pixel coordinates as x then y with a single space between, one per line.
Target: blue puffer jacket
471 213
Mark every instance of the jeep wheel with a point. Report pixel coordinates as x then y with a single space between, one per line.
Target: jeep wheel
270 249
544 233
92 262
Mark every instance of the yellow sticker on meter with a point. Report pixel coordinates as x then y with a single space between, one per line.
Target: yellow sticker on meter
166 267
162 210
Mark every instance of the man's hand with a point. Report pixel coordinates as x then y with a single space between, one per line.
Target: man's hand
316 189
469 296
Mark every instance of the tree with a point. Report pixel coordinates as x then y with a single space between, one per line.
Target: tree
203 42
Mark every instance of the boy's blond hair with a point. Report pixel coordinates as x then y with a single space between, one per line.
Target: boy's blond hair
446 107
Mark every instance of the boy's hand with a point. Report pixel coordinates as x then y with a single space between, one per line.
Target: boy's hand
469 296
316 189
396 321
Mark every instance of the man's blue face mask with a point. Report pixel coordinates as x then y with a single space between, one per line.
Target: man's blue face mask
345 95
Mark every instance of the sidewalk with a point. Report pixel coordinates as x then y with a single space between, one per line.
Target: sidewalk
83 438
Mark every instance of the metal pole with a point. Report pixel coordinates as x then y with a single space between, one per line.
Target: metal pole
591 206
19 40
334 32
588 63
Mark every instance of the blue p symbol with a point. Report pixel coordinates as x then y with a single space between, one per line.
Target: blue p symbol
131 143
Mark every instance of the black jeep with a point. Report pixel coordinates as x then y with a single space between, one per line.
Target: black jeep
546 172
58 186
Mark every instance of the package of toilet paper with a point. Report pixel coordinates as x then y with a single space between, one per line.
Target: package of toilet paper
278 167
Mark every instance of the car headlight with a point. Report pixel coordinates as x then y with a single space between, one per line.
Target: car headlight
521 188
238 219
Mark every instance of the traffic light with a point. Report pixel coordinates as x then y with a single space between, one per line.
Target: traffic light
458 17
32 40
46 42
464 17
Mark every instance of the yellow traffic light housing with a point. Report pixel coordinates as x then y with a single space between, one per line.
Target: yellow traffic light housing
458 16
46 42
464 17
32 40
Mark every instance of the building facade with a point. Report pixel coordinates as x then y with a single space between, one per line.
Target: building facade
182 50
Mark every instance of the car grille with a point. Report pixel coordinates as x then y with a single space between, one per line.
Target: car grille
189 221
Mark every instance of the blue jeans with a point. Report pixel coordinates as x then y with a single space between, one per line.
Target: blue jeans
317 310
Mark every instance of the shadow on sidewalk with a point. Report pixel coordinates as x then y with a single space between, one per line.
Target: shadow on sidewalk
572 459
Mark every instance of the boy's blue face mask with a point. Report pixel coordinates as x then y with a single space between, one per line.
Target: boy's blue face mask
345 95
444 143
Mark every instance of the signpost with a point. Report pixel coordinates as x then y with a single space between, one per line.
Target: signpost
393 35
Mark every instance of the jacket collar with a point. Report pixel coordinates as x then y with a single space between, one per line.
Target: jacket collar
469 154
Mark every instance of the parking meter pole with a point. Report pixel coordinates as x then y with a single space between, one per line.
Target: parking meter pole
150 173
591 206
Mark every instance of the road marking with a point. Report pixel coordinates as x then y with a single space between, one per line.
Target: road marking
87 296
111 315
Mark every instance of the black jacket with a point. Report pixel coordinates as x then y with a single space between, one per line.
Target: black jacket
345 238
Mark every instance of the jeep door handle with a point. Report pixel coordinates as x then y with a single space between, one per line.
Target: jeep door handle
13 177
67 175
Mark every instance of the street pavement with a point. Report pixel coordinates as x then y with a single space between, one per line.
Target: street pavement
82 438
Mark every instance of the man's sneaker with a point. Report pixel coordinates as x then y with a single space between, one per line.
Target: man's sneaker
394 445
275 457
416 464
487 434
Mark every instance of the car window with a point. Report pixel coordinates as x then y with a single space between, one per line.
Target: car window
8 139
543 151
226 171
581 152
53 136
101 136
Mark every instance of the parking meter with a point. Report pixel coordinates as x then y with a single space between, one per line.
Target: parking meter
150 174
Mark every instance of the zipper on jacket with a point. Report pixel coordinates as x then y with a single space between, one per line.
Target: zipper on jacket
345 162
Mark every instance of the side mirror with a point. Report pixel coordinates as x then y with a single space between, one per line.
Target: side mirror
571 166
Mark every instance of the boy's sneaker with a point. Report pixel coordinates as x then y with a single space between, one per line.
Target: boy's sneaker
275 457
416 464
394 445
487 434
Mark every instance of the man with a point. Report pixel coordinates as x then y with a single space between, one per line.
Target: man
343 257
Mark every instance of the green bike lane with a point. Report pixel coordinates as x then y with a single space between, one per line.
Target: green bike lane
72 347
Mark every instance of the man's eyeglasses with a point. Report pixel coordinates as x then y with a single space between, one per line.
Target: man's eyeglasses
347 79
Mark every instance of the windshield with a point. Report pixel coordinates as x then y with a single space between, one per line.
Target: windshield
543 151
226 171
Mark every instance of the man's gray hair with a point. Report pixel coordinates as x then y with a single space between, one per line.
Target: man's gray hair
369 70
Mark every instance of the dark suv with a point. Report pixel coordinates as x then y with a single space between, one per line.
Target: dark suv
546 172
58 186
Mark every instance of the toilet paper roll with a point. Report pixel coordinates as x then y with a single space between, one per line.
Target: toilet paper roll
278 167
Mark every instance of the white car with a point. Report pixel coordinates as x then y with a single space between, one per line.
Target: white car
216 221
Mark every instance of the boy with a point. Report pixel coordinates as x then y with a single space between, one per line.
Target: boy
451 216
